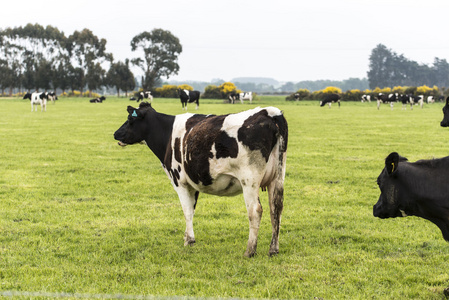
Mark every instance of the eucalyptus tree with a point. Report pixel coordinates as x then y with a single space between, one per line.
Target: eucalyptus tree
160 55
121 77
31 50
87 54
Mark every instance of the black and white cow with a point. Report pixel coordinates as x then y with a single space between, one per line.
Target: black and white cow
98 100
37 98
387 99
405 99
52 97
329 99
233 96
415 189
246 96
366 98
419 100
223 155
144 95
187 96
430 99
445 122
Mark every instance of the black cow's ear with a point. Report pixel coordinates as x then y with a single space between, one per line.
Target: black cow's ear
392 162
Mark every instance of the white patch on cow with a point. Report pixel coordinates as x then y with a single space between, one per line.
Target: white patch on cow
35 100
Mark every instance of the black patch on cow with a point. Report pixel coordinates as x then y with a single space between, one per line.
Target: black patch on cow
259 132
202 133
195 119
226 146
178 149
174 174
196 199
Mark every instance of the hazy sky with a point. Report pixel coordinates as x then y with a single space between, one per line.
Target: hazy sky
286 40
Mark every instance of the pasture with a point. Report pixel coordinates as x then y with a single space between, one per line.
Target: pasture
82 216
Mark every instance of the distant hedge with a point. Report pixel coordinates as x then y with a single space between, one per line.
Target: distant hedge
356 95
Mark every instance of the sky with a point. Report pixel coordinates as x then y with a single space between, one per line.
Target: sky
292 40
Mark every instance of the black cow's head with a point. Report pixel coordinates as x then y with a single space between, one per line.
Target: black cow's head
133 130
445 122
392 192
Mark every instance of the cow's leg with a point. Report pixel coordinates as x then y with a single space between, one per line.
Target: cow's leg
255 210
188 200
197 104
378 104
276 200
31 106
391 105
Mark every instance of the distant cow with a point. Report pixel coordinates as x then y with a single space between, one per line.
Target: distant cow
430 99
445 122
233 96
187 96
329 99
405 99
220 155
387 99
37 98
98 99
366 98
415 189
246 96
144 95
52 97
417 100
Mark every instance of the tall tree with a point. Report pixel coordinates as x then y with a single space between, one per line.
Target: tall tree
87 53
161 50
121 77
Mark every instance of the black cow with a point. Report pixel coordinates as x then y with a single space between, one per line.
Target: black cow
329 99
98 99
221 155
233 96
387 99
52 97
415 189
187 96
445 122
406 99
143 95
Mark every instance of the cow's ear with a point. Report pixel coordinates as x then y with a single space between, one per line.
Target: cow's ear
392 163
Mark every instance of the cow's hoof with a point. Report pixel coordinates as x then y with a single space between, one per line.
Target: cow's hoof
250 254
273 252
188 241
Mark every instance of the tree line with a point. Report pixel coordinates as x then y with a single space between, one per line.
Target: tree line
34 57
389 69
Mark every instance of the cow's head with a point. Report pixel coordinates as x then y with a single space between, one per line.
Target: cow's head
391 190
133 130
445 122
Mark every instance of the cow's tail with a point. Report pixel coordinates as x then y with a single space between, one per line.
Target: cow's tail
276 187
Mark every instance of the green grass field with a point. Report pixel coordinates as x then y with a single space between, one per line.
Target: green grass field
81 215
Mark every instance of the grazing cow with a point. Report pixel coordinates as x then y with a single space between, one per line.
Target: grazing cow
417 100
220 155
37 98
52 97
366 98
246 96
441 98
405 99
234 96
384 98
329 99
187 96
98 100
144 95
415 189
445 122
430 99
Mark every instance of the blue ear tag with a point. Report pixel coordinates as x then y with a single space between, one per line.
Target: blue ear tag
134 114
